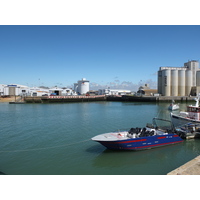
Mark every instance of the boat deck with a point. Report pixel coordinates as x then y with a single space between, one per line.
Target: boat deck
113 136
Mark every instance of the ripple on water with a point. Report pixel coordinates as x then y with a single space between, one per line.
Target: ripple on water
56 139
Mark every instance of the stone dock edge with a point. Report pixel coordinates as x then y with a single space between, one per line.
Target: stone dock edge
190 168
124 98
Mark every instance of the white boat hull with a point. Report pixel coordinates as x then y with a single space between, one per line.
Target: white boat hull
173 107
179 121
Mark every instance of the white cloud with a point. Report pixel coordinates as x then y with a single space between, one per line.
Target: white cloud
123 85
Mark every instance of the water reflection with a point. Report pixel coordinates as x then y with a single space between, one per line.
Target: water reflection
68 127
117 159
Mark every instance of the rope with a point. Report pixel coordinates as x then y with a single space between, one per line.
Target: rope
43 148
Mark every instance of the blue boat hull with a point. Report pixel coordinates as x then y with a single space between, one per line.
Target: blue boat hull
142 143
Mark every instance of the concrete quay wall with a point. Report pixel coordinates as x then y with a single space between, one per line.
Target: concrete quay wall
150 98
190 168
64 99
125 98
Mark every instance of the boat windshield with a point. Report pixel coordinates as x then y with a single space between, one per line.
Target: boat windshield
163 123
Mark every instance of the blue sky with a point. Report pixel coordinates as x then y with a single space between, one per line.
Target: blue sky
117 56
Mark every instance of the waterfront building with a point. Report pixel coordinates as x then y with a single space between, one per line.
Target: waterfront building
21 90
14 89
179 81
37 91
56 91
2 86
113 92
146 90
68 92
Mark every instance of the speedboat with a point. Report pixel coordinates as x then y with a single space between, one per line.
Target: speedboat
139 138
173 106
192 115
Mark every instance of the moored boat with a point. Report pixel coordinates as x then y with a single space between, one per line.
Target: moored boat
192 115
173 106
138 138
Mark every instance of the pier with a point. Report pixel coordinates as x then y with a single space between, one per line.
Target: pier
190 168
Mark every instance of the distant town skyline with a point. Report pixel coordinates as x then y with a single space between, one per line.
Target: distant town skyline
123 57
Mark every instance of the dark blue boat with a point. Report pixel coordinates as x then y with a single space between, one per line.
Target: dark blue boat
137 139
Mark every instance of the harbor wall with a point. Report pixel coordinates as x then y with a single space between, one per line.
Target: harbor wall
124 98
150 98
64 99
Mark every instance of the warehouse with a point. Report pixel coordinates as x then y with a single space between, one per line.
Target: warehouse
113 92
13 89
56 91
146 90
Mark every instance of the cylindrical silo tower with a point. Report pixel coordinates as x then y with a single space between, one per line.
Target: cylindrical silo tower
181 82
198 78
197 83
75 87
159 82
166 83
188 82
174 82
83 86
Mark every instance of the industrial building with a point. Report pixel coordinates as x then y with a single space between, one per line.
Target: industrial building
81 87
113 92
146 90
13 89
21 90
179 81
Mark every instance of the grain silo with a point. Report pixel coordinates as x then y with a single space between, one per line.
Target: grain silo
83 86
160 82
174 82
181 82
188 82
198 78
166 83
76 87
193 65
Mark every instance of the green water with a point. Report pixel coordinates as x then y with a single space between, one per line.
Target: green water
55 139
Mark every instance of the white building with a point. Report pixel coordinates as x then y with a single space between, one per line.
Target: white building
21 90
35 91
113 92
178 81
2 91
14 89
56 90
68 92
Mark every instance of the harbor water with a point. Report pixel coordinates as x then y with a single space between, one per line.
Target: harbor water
54 139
